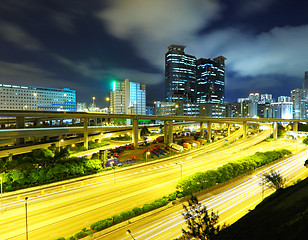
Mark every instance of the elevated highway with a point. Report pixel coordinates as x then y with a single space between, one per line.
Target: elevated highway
22 116
63 211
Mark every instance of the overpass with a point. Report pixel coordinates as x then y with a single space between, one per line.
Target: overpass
22 116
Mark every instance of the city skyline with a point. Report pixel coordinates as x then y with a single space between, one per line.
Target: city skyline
85 46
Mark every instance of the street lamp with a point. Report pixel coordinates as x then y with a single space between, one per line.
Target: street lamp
35 95
61 140
64 96
130 233
146 156
26 208
93 98
181 169
107 100
1 196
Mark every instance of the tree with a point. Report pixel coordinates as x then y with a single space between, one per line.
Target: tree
201 224
305 141
144 132
275 180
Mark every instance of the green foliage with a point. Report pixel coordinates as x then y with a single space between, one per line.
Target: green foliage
200 223
275 180
60 238
305 141
116 219
137 211
42 171
82 233
144 131
281 130
203 180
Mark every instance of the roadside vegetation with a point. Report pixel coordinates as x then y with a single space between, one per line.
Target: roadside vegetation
193 184
201 224
44 166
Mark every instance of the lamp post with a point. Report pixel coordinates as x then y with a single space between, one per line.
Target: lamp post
113 175
181 169
64 97
93 98
35 95
61 140
107 100
26 208
146 156
130 233
1 195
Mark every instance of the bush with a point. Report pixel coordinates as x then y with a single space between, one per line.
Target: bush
137 211
80 235
203 180
116 219
60 238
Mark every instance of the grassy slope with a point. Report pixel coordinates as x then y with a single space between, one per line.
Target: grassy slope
283 215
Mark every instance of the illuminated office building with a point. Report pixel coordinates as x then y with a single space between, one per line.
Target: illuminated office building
210 78
190 82
180 79
14 97
128 97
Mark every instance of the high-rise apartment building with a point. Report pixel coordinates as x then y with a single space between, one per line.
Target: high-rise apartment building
210 78
266 98
128 97
284 99
298 97
13 97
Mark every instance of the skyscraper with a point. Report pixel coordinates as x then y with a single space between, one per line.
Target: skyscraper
298 97
306 80
210 77
190 82
180 76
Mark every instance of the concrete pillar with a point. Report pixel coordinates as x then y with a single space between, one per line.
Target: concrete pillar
275 130
170 131
295 126
135 133
229 129
202 129
209 130
166 141
95 121
20 123
244 129
85 133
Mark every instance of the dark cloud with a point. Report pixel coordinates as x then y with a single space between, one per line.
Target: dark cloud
12 33
84 45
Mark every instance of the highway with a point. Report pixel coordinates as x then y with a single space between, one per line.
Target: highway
232 201
65 209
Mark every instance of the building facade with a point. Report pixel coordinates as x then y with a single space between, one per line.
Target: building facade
14 97
210 78
190 82
282 110
180 75
298 98
128 97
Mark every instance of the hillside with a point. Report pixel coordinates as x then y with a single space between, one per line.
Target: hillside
283 215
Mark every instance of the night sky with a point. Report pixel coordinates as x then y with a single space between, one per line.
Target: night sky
85 44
